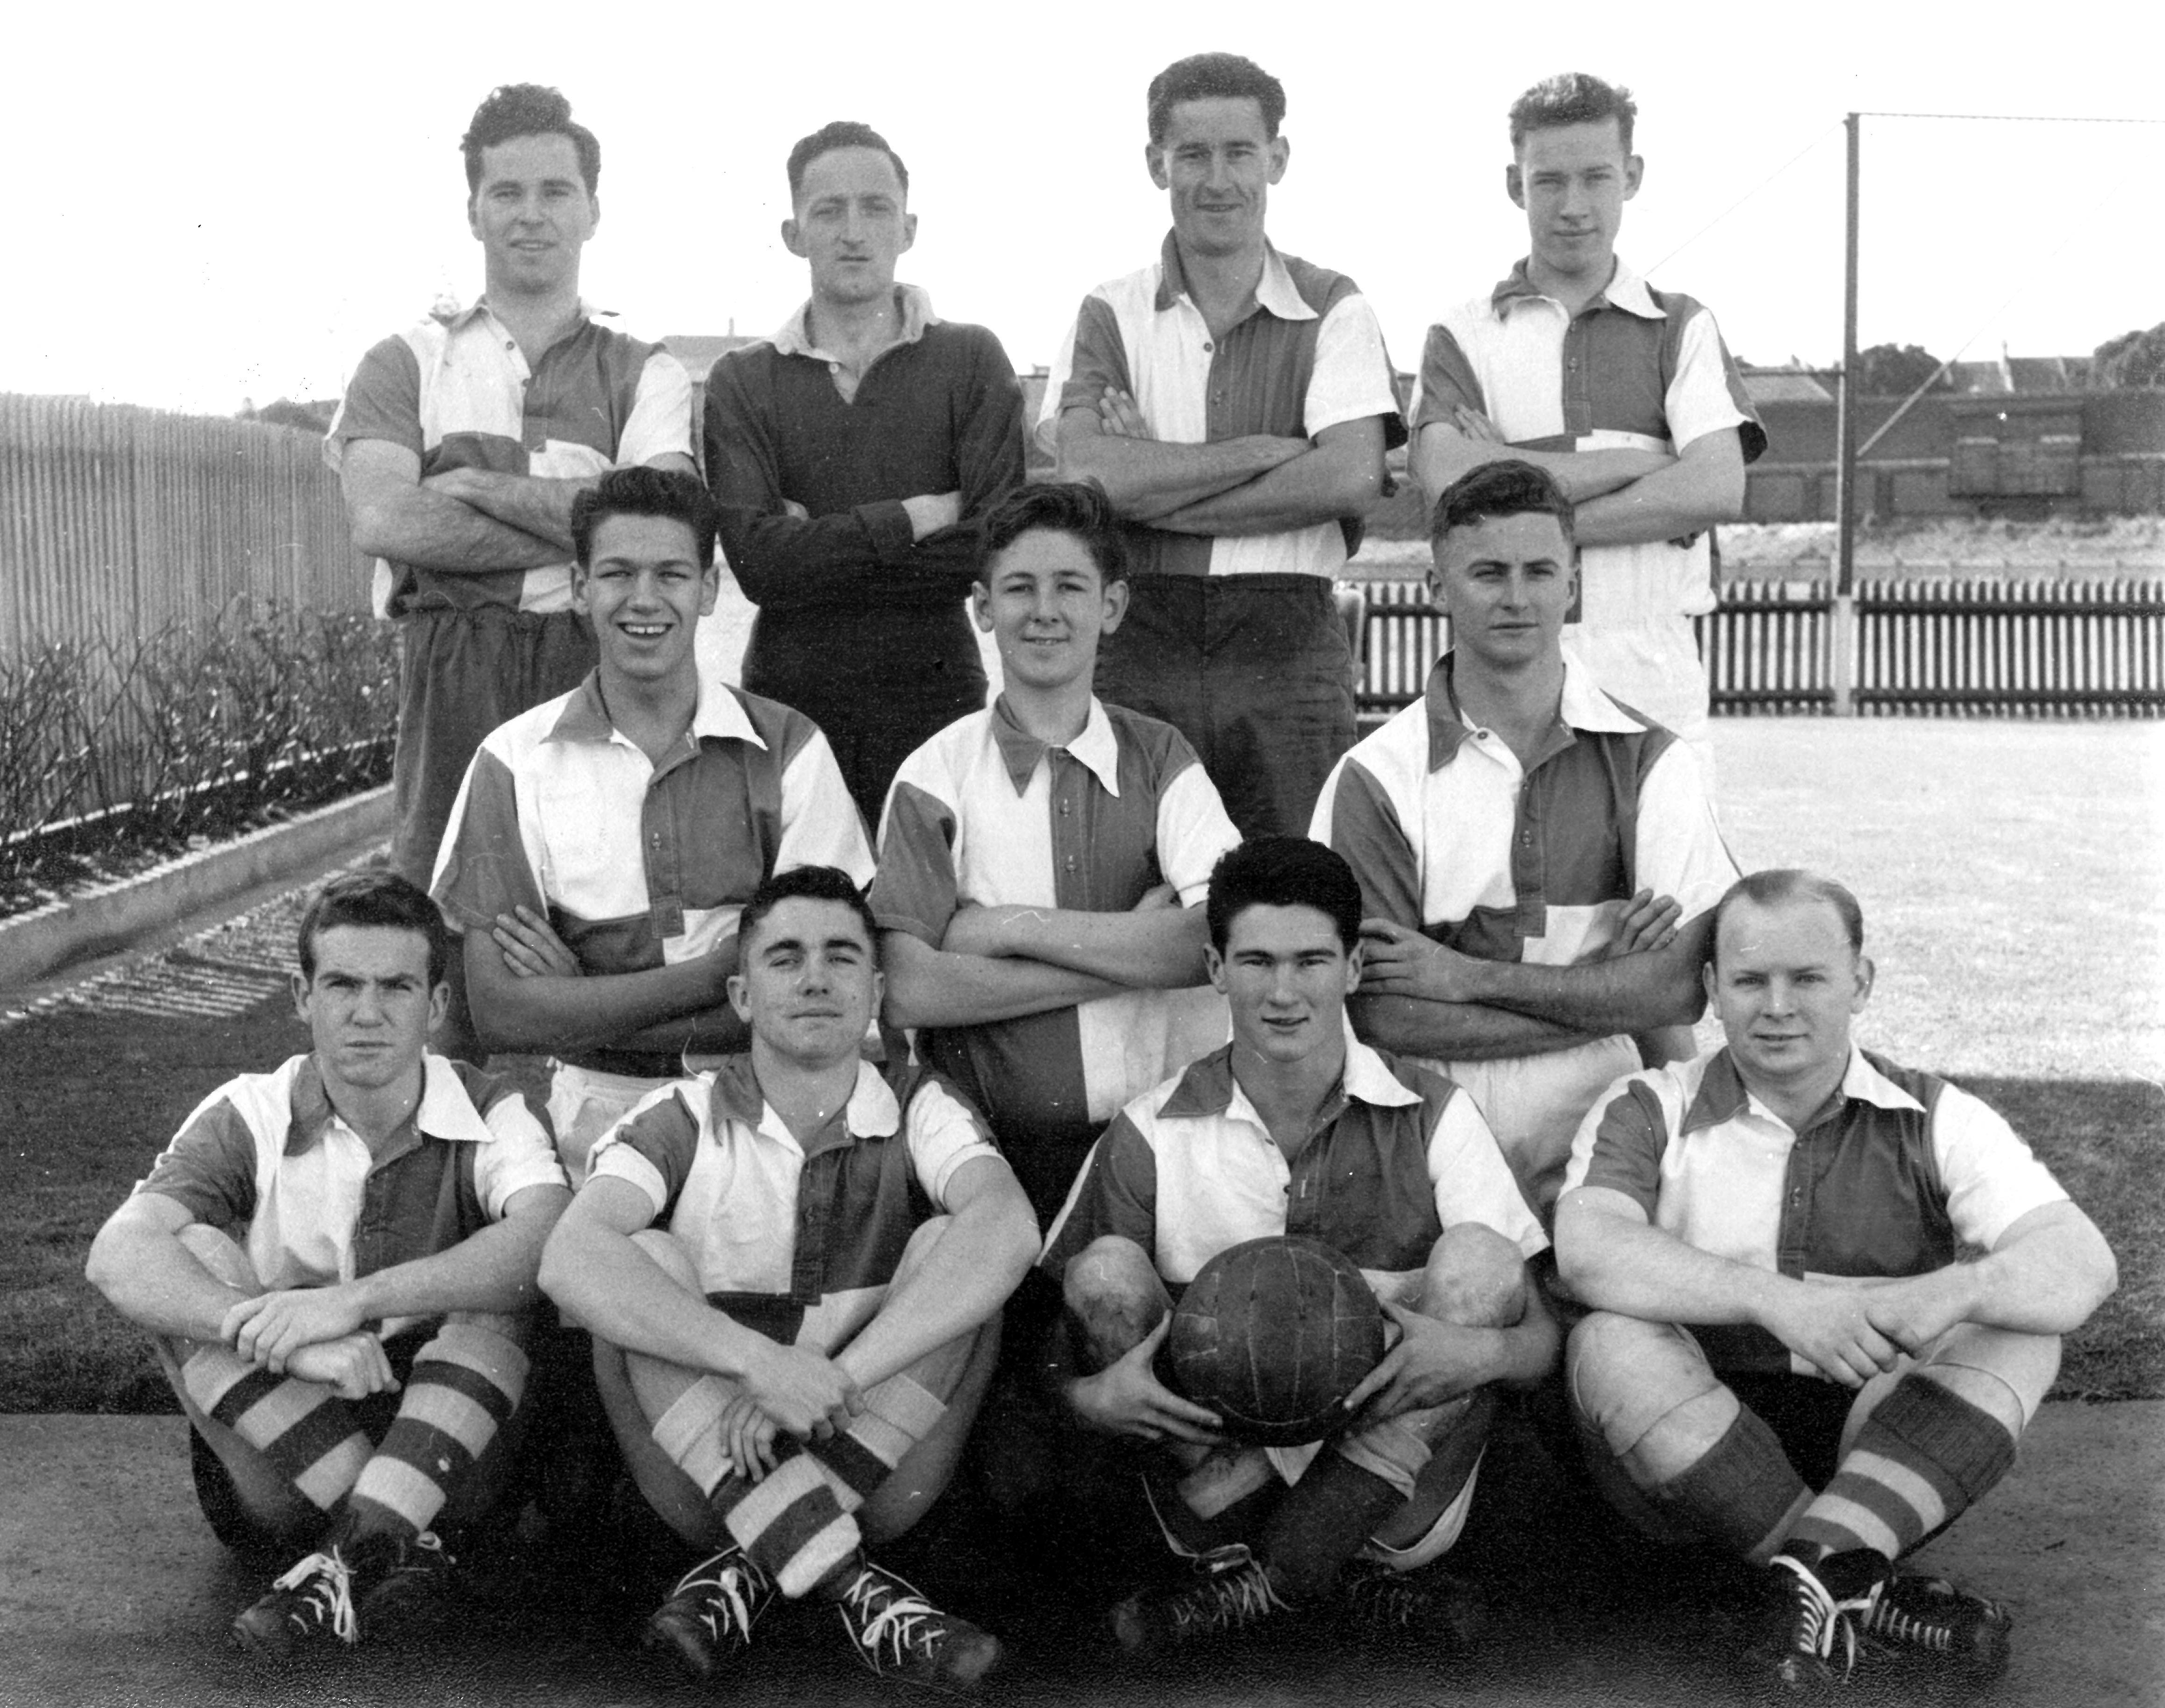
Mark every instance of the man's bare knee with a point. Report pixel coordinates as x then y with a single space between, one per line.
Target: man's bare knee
1112 1289
221 1255
2004 1373
1475 1278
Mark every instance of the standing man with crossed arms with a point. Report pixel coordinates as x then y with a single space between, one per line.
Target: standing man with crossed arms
850 453
1235 404
1625 394
461 444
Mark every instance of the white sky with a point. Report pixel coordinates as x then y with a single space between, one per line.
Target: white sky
217 201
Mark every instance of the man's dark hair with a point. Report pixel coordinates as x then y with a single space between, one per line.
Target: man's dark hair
527 109
639 491
806 883
1282 871
1508 488
1777 884
1214 77
374 899
842 133
1073 507
1572 97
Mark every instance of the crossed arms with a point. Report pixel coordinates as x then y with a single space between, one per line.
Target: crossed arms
528 993
1259 483
1001 962
2044 1275
1421 998
1620 496
593 1269
460 521
320 1334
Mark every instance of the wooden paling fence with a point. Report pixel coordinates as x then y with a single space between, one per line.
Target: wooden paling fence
119 520
2049 649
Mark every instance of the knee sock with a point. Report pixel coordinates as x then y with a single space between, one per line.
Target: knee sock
463 1387
1920 1459
309 1435
1323 1523
1741 1494
795 1523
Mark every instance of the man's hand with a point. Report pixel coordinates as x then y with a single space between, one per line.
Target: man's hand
1432 1362
1476 426
531 948
1126 1398
1118 417
802 1391
1156 896
1917 1309
269 1328
1397 960
1648 923
353 1366
930 511
1829 1325
748 1437
463 484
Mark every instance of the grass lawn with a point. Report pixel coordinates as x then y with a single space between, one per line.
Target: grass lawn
2010 874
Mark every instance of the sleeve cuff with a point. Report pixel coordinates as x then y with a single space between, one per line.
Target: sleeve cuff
888 524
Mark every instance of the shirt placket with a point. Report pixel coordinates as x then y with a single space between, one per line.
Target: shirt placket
1792 1248
1065 809
662 848
1577 379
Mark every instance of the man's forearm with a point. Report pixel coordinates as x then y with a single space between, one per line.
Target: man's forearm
926 986
1613 1262
1158 949
1702 489
978 1261
1147 479
156 1283
1317 486
1632 993
2044 1279
550 1011
492 1269
1444 454
1463 1032
535 504
620 1296
435 531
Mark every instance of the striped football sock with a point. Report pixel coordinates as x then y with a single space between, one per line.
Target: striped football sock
309 1436
463 1386
1920 1459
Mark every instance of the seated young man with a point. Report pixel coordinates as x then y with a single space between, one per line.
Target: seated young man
1297 1127
602 843
1042 862
338 1260
1787 1360
792 1268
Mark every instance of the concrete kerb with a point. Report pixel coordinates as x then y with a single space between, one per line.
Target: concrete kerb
112 916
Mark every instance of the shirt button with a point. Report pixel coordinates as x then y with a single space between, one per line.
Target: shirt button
1208 347
1066 808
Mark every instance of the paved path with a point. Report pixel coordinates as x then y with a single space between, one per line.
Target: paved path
111 1589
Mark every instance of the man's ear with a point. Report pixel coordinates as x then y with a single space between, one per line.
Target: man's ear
1515 185
909 230
1154 163
792 239
1353 968
710 589
1707 979
582 578
981 606
300 997
1634 169
735 987
1214 965
1281 152
1864 972
440 1004
1116 604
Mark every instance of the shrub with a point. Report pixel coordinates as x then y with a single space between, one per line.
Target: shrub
122 749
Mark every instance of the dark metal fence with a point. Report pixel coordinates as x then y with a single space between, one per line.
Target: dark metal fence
2036 648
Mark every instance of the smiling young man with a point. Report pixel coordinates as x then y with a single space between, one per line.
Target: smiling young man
603 843
852 455
1297 1127
338 1260
1540 863
1790 1360
790 1265
1625 394
1235 405
462 443
1042 862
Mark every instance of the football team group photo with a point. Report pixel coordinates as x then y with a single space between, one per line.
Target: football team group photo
1002 1122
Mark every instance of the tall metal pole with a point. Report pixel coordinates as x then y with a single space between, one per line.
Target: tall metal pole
1845 479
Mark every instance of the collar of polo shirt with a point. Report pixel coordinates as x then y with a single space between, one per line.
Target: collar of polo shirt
1625 290
444 1111
913 306
871 1112
1722 1095
1097 749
